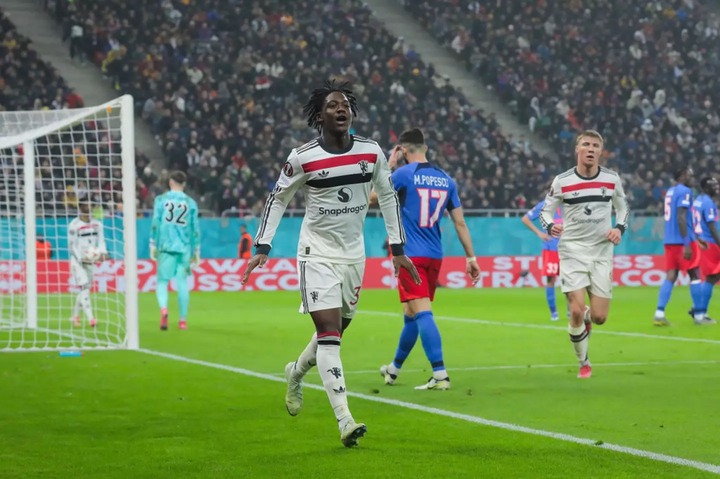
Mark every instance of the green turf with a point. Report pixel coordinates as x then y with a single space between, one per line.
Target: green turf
128 414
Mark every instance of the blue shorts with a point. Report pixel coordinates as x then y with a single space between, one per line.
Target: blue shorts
172 265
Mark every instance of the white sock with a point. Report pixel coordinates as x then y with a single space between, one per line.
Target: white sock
331 373
84 300
391 369
440 374
660 314
306 360
78 305
579 339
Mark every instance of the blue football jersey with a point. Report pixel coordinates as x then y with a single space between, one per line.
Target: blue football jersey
704 212
425 192
679 196
534 214
175 224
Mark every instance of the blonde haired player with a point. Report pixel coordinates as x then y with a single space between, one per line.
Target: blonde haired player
586 194
86 242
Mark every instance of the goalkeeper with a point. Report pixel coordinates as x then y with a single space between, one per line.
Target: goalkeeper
174 245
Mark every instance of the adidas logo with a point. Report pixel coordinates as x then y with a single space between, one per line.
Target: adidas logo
339 390
323 173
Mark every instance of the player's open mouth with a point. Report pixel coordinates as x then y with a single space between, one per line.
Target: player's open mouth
341 119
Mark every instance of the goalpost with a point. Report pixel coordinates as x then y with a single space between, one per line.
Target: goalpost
52 162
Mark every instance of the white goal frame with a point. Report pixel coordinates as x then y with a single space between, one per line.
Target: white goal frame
129 220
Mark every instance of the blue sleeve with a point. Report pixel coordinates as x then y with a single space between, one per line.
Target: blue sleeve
685 198
454 198
709 212
534 213
398 179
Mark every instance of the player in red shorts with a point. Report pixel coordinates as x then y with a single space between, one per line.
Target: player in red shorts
425 193
550 257
682 252
705 218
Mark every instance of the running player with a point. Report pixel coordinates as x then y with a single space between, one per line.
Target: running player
587 194
336 172
550 258
85 238
175 245
682 252
425 193
705 216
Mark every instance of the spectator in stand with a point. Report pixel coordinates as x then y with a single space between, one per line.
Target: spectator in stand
646 74
216 82
66 171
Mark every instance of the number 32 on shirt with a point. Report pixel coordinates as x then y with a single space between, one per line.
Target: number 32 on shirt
175 213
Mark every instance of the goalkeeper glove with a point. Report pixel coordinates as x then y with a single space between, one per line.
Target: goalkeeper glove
195 259
153 252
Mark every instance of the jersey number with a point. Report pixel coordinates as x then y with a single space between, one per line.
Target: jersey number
697 220
428 220
668 208
175 213
356 297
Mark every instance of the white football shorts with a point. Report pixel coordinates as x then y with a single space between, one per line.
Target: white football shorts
81 273
595 275
330 286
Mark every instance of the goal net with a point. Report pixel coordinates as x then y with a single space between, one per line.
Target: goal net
57 291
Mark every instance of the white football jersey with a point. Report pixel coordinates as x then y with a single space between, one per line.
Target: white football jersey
587 205
82 236
337 189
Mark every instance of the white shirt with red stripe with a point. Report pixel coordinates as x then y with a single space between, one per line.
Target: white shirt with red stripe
82 236
587 207
337 189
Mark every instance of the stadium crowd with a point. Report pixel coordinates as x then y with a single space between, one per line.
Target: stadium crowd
67 172
646 74
218 82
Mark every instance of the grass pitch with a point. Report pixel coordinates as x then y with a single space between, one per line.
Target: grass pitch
208 402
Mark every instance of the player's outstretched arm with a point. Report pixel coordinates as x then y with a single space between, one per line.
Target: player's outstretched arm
553 200
102 246
712 226
258 260
389 204
622 213
390 207
530 216
291 178
73 245
155 228
472 268
373 199
195 233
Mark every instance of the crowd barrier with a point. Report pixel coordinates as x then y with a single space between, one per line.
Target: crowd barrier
220 237
281 274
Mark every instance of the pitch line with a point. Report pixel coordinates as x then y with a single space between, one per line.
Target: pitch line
678 461
596 330
503 367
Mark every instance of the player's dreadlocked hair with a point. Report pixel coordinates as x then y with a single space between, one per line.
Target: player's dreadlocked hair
316 100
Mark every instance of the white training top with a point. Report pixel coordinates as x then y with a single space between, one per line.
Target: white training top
82 236
337 188
587 205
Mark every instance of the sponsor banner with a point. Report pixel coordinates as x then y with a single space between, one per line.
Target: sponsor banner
281 274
